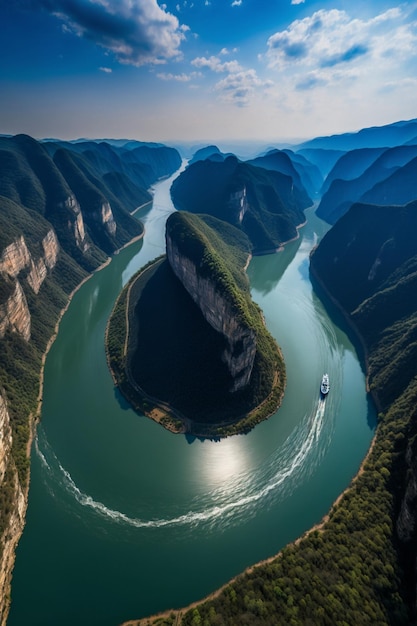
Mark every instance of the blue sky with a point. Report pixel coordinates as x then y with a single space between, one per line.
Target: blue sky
205 70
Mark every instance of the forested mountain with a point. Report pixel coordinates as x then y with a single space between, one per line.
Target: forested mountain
305 175
63 209
267 205
360 565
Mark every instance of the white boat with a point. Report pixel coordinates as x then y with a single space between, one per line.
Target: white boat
325 385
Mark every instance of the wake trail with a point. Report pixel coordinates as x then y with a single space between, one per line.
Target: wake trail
285 463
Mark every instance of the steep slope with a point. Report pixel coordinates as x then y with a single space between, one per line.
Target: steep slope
359 566
266 205
210 368
343 193
285 162
59 220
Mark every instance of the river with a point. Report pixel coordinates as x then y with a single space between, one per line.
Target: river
126 519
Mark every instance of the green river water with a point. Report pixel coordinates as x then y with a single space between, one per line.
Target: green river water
126 519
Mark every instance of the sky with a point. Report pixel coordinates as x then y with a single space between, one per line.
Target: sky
205 70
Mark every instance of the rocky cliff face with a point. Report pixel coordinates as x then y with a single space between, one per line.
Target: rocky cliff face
15 522
238 203
75 221
16 258
105 218
240 350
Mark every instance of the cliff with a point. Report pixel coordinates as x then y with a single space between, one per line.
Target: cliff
210 368
218 306
63 209
12 527
266 204
16 258
368 265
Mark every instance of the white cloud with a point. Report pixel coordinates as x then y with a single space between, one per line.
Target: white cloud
214 63
182 78
329 40
137 32
106 70
237 3
238 88
297 1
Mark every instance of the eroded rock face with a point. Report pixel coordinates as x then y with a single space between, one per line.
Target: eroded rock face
75 222
240 352
14 314
238 203
15 524
15 258
5 438
105 217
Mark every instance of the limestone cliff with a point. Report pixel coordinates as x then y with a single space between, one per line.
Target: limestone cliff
9 482
219 309
104 217
238 204
16 259
75 221
14 313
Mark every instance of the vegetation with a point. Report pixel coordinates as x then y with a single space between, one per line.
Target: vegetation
274 206
359 566
174 362
33 200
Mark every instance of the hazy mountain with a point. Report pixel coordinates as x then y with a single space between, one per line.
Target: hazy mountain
377 136
305 175
341 194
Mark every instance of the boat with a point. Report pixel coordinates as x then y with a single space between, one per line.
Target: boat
325 386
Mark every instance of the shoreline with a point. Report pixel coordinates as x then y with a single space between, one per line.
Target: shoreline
163 413
151 620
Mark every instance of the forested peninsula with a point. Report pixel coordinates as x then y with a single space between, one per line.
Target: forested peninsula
359 565
206 365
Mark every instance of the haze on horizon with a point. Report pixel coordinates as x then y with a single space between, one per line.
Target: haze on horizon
205 70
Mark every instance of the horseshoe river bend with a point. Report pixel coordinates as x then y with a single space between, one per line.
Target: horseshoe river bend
126 519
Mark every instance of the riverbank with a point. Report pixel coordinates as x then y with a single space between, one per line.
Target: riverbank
17 520
123 344
177 617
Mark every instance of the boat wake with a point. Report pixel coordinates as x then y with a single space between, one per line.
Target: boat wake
278 476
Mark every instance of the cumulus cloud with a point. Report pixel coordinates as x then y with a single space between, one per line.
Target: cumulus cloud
237 3
181 78
297 1
137 32
238 88
106 70
330 39
215 64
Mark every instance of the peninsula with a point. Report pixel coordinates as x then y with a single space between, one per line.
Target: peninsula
186 344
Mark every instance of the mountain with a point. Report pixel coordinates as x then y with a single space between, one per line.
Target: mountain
64 208
359 565
265 204
306 176
389 135
323 159
342 193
